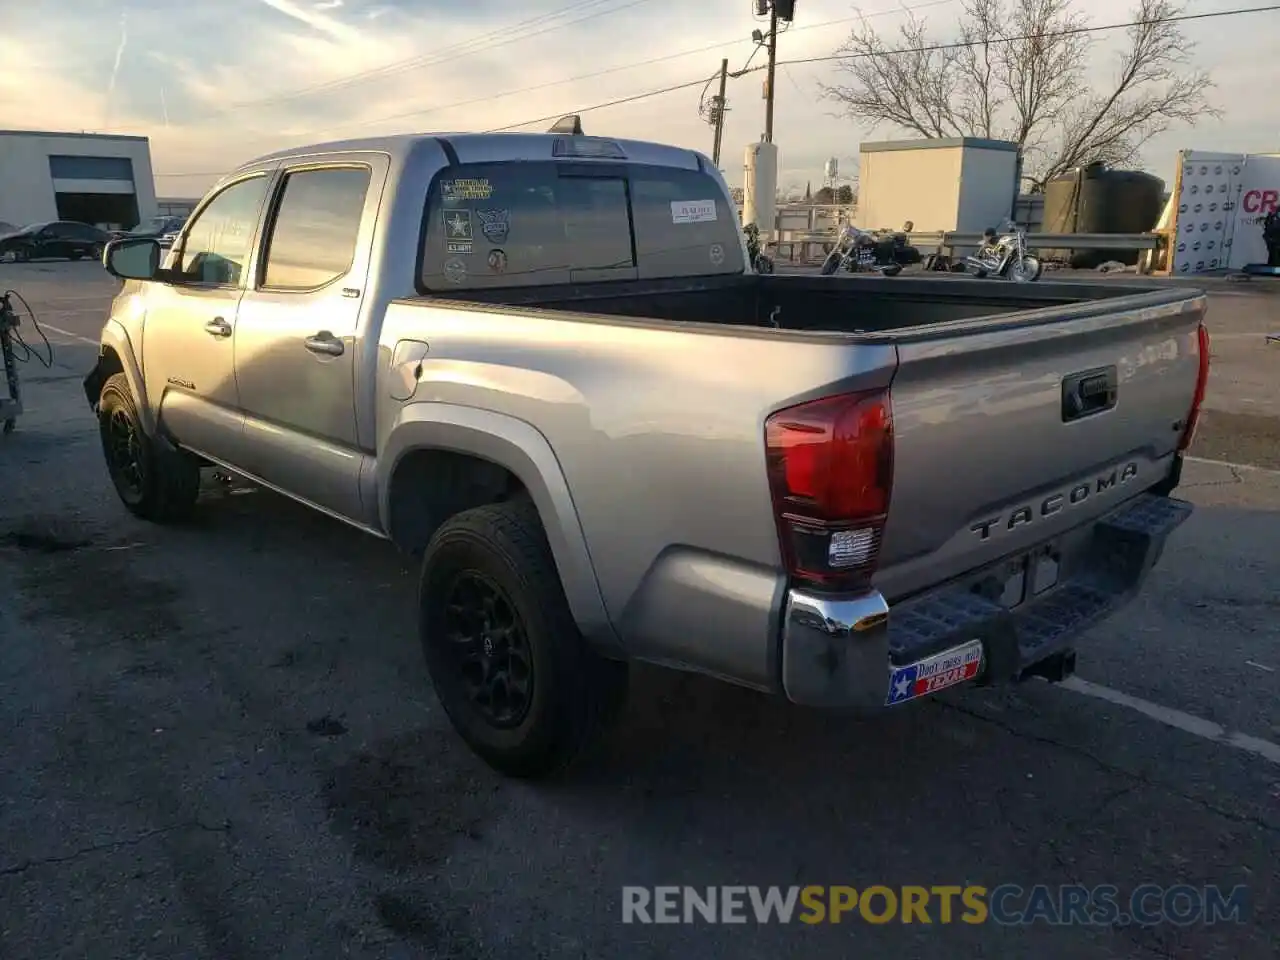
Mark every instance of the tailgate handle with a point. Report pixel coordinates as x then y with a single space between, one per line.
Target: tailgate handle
1088 392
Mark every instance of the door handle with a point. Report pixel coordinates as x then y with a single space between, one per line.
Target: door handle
217 327
325 343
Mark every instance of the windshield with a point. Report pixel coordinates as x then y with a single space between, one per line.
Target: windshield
156 225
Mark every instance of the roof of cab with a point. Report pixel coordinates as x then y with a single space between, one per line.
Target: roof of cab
477 147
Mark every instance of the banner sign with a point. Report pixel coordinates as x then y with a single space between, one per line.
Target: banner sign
1222 204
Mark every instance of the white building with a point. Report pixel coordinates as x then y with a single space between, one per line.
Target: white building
101 179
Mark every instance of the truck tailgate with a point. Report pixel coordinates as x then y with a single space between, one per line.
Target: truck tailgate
1009 433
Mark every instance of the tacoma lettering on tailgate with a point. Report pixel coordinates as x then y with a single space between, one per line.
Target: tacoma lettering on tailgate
1055 502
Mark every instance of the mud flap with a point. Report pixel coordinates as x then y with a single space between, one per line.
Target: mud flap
93 385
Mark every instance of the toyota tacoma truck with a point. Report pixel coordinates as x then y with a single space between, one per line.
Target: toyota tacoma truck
543 364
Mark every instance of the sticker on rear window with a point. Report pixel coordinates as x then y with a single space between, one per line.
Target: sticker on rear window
455 271
495 224
457 231
693 211
466 189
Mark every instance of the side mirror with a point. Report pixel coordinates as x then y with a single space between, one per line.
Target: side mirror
134 258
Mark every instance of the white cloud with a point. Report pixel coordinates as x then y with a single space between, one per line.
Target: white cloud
314 18
215 84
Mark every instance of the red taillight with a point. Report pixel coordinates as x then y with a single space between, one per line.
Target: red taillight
1202 382
830 472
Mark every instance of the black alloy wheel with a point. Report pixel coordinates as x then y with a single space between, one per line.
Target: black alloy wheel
489 648
155 482
126 458
515 676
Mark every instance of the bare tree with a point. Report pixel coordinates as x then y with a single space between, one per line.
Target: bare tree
1018 71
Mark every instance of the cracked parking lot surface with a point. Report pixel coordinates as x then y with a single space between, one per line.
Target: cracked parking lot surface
219 740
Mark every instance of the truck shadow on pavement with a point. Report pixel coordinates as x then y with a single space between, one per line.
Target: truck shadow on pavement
307 628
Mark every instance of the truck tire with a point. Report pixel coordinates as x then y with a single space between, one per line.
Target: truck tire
154 482
516 678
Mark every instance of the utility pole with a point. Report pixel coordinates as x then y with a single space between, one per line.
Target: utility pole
773 57
719 112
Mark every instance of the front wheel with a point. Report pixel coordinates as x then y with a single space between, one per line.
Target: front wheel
513 673
831 264
153 482
1026 270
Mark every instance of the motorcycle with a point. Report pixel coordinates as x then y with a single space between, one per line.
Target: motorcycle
859 251
761 262
1004 255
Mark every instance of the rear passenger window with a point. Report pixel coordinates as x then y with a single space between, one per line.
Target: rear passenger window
684 227
317 223
558 222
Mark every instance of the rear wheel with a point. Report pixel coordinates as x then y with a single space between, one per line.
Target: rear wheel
153 482
892 270
512 672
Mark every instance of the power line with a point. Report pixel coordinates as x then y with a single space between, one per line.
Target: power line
601 106
481 44
1054 34
618 69
904 50
550 83
924 49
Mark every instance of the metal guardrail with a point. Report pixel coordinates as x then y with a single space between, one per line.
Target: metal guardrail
1061 241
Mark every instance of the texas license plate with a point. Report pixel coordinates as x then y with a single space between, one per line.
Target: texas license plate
935 673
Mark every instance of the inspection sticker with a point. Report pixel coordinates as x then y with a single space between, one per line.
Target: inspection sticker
935 673
693 211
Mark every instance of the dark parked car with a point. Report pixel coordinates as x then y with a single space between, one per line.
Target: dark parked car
61 239
163 229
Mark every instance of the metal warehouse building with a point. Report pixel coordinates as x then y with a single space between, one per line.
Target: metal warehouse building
94 178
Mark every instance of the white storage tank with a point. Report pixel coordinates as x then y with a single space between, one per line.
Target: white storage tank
962 184
760 186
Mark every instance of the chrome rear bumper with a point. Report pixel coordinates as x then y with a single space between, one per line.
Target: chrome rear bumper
838 652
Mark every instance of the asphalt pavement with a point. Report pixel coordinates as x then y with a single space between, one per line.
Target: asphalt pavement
219 741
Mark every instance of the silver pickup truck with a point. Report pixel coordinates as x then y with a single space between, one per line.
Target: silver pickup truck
543 364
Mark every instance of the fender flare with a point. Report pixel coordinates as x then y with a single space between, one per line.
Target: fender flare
521 448
116 338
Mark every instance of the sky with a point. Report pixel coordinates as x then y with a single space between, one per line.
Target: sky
216 83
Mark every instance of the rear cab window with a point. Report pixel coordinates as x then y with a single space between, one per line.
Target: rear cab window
539 223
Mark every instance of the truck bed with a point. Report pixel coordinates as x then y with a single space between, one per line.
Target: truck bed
848 304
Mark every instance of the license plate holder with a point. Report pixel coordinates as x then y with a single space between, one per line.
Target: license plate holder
1028 575
938 672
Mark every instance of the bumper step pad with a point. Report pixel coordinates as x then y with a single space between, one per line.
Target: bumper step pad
1125 546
